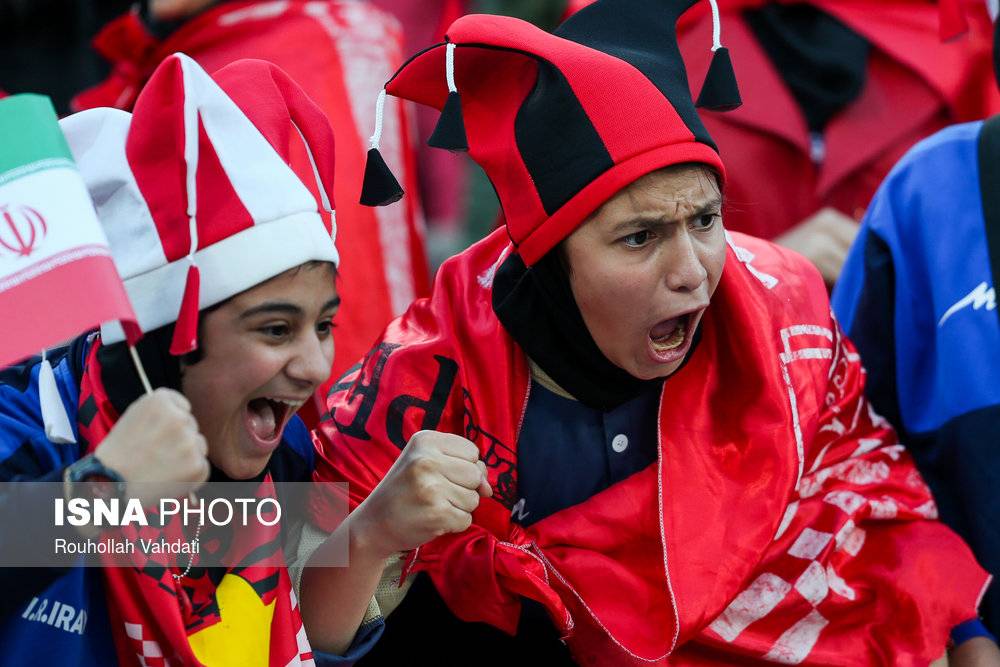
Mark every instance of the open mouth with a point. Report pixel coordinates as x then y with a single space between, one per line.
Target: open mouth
669 334
669 340
267 416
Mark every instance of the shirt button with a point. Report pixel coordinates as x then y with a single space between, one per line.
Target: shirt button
620 443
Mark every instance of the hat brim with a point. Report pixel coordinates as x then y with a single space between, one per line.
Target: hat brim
228 267
571 215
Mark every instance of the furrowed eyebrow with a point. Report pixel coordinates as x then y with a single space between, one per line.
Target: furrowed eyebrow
653 223
646 224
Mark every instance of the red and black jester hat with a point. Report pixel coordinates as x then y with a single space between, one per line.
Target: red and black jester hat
561 121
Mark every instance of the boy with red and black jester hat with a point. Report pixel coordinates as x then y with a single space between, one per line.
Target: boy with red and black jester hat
612 423
227 254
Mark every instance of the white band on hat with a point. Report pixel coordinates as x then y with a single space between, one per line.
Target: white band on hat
323 198
228 267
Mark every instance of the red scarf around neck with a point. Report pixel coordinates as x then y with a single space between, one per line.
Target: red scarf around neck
243 616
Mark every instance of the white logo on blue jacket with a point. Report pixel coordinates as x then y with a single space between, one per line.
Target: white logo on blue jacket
983 296
57 614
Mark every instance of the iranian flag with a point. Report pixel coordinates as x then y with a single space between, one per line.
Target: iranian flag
57 278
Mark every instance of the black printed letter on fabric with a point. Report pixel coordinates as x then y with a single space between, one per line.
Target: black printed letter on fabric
343 384
496 455
368 392
433 407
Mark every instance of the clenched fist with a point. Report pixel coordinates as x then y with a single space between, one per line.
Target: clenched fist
157 440
431 489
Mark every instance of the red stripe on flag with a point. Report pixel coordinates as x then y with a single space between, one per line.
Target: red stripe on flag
60 303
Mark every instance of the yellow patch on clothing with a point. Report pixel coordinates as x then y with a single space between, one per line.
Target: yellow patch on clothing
242 637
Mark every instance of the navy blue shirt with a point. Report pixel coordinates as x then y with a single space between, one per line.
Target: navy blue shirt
567 452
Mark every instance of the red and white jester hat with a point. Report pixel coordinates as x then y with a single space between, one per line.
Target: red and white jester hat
202 203
560 122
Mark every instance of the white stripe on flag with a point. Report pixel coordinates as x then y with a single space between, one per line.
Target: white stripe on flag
812 585
59 197
37 269
848 501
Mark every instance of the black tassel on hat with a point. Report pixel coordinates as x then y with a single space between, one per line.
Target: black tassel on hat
449 133
720 92
379 187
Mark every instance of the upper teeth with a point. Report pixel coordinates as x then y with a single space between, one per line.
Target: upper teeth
294 405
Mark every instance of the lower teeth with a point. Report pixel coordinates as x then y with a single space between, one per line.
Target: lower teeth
673 342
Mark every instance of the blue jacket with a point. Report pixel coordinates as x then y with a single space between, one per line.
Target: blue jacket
30 631
918 299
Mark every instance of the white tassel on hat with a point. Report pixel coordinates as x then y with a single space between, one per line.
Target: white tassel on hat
57 426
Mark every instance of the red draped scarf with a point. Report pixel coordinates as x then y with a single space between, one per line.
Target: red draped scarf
782 520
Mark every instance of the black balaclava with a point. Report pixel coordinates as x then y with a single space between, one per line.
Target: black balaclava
121 381
537 308
122 384
822 61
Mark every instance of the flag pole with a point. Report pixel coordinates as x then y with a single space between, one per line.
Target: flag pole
133 333
140 370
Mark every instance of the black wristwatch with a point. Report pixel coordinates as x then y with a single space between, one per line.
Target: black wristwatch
90 477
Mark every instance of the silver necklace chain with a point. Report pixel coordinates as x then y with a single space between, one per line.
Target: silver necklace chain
197 536
178 577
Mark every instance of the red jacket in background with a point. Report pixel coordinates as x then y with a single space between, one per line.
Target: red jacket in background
340 53
915 85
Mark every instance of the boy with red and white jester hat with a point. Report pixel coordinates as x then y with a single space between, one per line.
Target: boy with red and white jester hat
227 254
612 423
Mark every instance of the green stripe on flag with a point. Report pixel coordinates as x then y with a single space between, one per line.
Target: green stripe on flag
30 138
